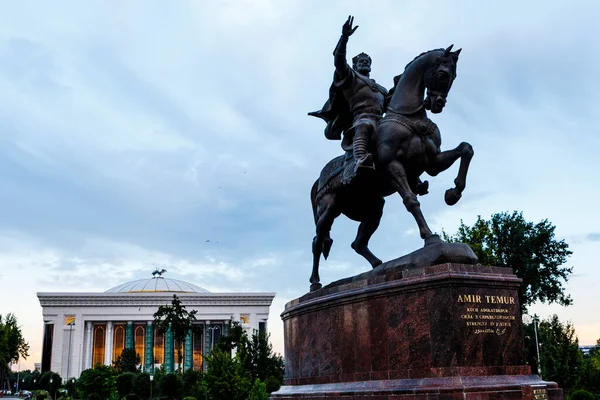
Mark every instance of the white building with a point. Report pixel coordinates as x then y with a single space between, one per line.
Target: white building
84 329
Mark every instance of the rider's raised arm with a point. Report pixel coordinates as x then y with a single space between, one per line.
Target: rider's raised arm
339 54
339 57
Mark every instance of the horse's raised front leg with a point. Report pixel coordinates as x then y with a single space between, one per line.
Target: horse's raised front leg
444 160
367 228
399 181
328 211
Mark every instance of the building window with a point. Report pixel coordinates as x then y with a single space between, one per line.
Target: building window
262 328
198 339
98 351
159 347
118 341
47 349
138 341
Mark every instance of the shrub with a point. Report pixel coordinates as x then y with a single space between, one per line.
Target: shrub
124 383
189 398
582 395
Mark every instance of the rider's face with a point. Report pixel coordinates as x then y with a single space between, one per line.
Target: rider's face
363 65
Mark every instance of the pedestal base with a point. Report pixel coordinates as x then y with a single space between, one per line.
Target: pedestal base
443 331
499 387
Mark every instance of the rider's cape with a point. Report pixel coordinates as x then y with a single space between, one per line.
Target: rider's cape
336 111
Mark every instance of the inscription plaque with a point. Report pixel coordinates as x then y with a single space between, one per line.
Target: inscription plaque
486 313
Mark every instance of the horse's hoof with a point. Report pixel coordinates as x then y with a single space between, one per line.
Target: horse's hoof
433 239
452 196
315 286
376 263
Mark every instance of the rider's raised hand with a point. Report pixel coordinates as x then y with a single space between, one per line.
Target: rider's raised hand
347 29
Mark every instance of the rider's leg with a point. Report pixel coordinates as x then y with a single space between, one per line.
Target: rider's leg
360 144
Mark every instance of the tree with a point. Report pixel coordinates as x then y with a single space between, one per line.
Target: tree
141 385
171 386
531 250
263 364
255 354
12 345
560 358
589 378
226 377
124 384
97 383
259 391
176 318
127 361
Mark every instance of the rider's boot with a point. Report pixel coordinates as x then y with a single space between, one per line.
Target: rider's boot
364 160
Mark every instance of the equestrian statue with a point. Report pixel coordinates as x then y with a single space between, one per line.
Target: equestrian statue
389 142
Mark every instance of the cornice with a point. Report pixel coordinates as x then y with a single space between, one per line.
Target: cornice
152 299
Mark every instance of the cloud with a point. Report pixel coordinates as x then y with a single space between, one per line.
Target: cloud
593 237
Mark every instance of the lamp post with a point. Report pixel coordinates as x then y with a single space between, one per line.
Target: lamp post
151 379
18 372
51 388
537 346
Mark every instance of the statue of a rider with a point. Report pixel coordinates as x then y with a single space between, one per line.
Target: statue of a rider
355 104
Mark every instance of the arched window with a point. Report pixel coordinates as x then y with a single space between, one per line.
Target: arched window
98 351
118 341
159 347
197 350
138 341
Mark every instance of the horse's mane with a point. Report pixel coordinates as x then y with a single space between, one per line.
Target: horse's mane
422 54
397 77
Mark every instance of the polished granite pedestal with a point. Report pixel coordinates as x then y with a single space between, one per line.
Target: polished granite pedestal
445 331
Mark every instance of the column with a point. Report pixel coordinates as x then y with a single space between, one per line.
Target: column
188 352
87 346
108 344
129 335
149 348
169 344
206 348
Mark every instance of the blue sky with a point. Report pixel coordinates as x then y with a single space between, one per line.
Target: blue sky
132 132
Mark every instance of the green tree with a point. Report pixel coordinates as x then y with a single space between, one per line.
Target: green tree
226 378
178 319
141 385
127 361
171 386
560 358
97 383
191 379
589 378
263 364
13 346
531 250
259 391
124 383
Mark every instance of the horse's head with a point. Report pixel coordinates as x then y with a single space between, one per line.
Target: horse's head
439 76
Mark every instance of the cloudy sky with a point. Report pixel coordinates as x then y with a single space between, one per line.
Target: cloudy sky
133 132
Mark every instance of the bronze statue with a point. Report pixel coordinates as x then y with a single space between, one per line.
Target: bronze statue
405 143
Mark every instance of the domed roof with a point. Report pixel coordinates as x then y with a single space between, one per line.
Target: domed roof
157 284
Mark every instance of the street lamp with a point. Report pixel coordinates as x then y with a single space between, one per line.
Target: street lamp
51 388
537 346
151 379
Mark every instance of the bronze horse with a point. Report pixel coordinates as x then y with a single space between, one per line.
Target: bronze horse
405 145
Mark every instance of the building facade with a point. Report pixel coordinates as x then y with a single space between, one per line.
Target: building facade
85 329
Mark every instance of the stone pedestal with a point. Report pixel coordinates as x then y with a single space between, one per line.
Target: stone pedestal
442 331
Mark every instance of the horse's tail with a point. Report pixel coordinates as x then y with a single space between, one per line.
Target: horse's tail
328 242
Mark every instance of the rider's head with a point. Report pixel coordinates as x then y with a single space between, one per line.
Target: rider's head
362 64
